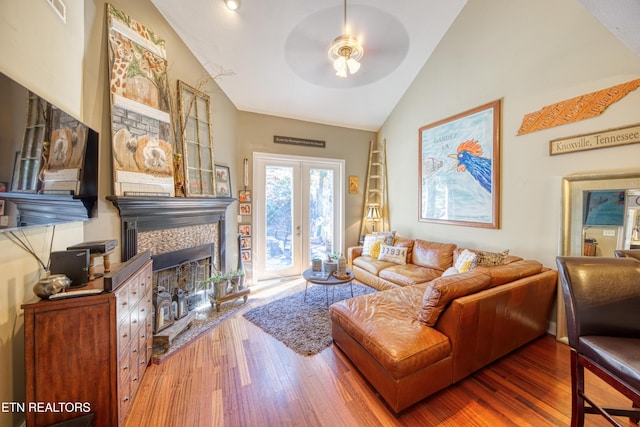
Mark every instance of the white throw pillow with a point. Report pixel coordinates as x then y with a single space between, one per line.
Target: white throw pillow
395 254
368 240
450 272
465 261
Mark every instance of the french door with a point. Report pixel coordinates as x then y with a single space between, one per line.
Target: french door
299 213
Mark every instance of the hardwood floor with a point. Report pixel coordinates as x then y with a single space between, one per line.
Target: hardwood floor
237 375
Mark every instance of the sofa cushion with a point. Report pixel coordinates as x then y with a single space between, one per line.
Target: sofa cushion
371 265
408 274
440 292
432 254
394 254
405 243
501 274
386 325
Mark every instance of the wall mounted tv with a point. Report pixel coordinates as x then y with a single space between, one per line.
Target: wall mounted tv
48 161
604 208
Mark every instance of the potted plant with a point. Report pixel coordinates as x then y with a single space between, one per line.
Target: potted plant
238 279
331 264
219 283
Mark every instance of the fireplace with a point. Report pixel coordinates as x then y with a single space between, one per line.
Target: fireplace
186 238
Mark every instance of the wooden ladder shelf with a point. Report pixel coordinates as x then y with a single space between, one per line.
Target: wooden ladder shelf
376 196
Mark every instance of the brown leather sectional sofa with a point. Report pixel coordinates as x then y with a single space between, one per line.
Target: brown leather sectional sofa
475 317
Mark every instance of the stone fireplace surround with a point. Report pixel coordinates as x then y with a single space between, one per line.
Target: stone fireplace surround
151 214
175 230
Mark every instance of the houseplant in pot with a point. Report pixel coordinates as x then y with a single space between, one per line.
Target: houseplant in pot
238 280
219 283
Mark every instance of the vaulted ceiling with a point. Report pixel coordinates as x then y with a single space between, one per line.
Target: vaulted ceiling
270 56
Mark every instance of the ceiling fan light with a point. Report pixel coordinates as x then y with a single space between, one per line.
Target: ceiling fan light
345 51
353 65
340 64
232 4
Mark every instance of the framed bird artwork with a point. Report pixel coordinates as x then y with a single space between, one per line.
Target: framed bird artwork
459 169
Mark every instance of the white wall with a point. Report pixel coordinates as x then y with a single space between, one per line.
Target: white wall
529 54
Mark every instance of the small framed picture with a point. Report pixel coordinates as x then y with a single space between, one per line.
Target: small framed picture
245 208
244 230
246 255
245 196
1 207
3 187
353 184
223 181
245 242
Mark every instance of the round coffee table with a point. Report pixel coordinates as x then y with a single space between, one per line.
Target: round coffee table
331 280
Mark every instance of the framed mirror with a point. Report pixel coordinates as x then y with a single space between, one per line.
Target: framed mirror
592 224
197 142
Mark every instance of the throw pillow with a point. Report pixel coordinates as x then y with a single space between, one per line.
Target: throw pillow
368 240
450 272
393 254
441 291
488 259
374 249
465 261
388 236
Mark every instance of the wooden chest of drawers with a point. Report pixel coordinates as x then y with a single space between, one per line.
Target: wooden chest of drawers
88 354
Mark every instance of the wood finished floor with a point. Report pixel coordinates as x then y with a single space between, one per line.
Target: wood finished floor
238 375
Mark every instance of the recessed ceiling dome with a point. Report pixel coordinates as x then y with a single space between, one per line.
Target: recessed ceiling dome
385 38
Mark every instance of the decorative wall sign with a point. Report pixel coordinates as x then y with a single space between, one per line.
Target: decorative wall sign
140 113
575 109
459 165
607 138
298 141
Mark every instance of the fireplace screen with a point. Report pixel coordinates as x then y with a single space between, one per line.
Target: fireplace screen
178 290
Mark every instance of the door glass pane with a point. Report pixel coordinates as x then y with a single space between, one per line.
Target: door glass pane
279 217
321 213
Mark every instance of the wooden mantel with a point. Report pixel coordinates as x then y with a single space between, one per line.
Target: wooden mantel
139 214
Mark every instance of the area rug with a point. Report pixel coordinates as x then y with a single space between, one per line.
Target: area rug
205 319
303 326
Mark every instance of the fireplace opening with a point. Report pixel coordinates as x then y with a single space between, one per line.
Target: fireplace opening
179 290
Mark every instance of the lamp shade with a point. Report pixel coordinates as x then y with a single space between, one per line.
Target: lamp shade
373 213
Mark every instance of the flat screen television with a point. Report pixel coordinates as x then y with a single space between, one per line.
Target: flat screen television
48 161
604 208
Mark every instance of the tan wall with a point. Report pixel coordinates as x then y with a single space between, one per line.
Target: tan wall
68 66
529 54
255 134
51 66
182 66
